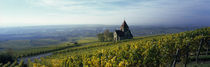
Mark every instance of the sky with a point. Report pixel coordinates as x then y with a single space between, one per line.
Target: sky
109 12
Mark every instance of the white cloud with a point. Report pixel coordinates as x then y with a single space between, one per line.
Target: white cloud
113 12
81 5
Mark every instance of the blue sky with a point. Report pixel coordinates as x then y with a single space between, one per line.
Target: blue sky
141 12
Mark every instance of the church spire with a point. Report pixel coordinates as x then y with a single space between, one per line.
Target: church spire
124 26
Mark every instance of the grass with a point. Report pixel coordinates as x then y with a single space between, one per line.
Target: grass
15 44
87 40
22 44
203 64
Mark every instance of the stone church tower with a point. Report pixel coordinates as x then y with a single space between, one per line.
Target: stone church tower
123 33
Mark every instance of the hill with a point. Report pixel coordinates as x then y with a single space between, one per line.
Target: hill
36 36
149 51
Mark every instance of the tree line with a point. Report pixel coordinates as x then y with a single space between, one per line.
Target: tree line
105 36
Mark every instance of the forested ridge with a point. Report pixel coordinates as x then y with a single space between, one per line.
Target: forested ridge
151 51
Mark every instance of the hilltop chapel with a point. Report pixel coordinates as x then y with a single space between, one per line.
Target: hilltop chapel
123 33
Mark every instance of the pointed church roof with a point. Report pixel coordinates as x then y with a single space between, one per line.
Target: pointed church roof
124 25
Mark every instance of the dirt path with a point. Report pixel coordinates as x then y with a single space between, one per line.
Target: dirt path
32 58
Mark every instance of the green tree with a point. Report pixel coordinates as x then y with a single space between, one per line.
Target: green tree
100 37
105 36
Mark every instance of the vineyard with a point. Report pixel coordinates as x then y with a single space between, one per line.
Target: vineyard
152 51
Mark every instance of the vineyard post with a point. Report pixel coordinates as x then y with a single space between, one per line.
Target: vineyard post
186 55
175 58
198 52
207 45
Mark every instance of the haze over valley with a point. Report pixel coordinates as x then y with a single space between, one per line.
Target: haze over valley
104 33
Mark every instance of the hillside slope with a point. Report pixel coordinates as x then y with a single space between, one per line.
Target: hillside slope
151 51
146 51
